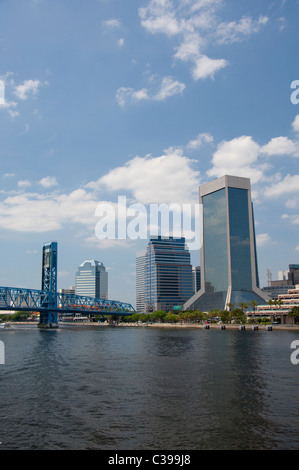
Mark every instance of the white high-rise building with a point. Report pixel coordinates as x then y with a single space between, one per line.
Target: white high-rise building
140 282
92 280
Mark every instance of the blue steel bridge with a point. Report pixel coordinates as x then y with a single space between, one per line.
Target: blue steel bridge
50 303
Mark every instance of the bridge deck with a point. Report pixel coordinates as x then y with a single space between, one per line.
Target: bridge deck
33 300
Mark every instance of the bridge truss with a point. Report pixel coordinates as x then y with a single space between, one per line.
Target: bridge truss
14 298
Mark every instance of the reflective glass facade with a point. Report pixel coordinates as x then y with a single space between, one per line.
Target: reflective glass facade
241 277
228 255
215 241
168 274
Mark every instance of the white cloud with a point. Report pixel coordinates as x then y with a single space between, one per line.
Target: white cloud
295 123
199 4
167 87
168 178
262 239
237 157
129 95
281 146
293 219
159 17
107 244
282 23
290 184
234 31
24 184
48 181
10 106
190 47
33 212
292 203
112 23
207 67
200 139
28 87
196 25
22 92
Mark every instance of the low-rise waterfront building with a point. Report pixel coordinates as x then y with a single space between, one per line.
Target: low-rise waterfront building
282 307
274 291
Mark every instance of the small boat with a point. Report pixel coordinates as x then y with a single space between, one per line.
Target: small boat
4 325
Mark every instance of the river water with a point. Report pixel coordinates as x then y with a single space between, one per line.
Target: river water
143 388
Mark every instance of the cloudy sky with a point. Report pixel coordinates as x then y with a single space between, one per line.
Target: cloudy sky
146 99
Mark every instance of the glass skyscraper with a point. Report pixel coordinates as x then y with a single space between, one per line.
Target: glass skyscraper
163 275
229 272
92 280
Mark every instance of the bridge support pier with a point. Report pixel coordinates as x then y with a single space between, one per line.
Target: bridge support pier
48 319
49 316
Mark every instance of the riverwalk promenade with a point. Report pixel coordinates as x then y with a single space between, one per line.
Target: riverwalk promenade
218 326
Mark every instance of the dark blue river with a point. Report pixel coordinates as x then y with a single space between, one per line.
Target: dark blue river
142 388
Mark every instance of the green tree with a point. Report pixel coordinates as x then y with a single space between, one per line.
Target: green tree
215 313
171 317
243 306
294 313
253 303
225 316
183 316
135 317
238 315
199 316
20 316
159 316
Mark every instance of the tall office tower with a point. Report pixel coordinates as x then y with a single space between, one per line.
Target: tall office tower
140 282
92 280
229 271
167 274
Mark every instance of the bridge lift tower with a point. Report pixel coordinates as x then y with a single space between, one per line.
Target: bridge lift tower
49 316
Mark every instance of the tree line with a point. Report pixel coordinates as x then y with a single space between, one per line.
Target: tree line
234 314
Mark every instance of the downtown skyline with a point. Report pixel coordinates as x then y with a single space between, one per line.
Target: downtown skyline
149 100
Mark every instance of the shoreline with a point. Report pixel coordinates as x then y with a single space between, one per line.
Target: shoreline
168 325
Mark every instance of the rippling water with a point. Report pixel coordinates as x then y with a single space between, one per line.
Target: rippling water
148 388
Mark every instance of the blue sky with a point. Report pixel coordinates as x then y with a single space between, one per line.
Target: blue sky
147 99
